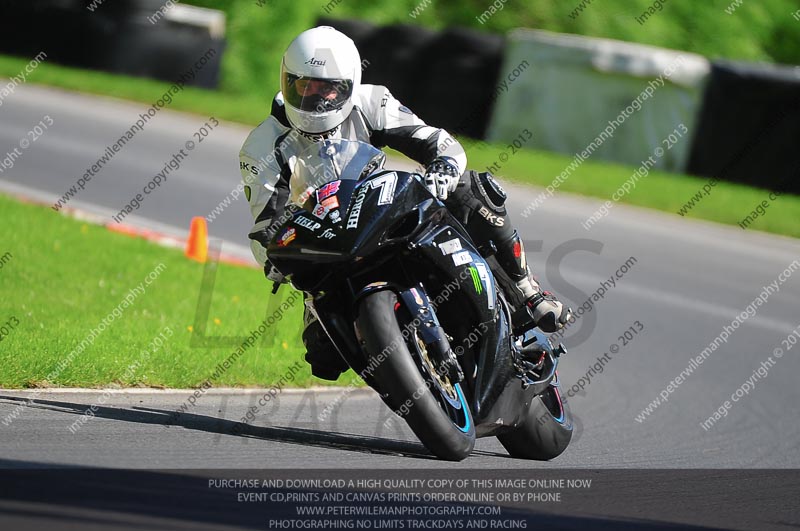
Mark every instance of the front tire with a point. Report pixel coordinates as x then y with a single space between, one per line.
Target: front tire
402 378
546 431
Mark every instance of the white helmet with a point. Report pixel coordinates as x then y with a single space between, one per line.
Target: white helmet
319 73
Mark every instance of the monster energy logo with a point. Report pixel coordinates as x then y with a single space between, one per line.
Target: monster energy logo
476 280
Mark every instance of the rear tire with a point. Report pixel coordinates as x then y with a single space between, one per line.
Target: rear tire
546 431
399 374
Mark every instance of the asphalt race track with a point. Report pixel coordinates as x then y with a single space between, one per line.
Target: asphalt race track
688 279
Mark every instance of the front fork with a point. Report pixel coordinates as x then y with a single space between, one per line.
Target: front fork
437 343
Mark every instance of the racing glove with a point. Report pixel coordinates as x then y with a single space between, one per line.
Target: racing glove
441 177
272 273
547 312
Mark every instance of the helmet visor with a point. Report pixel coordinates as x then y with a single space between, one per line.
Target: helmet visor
315 94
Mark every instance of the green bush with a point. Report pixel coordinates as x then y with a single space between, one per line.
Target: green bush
755 31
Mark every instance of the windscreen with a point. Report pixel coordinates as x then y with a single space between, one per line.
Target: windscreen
331 160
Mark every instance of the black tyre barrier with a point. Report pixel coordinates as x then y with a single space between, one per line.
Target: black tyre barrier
444 77
749 126
115 37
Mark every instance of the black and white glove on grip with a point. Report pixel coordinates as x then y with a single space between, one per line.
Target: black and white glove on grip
441 177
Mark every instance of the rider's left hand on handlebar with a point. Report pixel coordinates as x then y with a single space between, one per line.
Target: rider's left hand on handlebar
441 177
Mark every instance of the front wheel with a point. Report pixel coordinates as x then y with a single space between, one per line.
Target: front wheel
546 431
434 408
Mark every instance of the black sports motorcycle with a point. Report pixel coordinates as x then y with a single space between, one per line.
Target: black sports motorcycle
413 308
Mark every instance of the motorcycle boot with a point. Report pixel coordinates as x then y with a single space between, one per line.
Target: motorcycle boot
528 300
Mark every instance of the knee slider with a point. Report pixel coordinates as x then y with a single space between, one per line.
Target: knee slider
492 192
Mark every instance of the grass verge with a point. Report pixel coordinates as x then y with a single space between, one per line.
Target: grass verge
60 278
244 109
726 202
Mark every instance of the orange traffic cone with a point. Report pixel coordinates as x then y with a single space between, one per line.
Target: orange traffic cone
197 244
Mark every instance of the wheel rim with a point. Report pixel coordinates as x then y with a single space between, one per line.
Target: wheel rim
445 386
449 395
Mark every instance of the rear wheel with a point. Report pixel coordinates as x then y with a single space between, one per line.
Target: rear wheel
434 407
546 431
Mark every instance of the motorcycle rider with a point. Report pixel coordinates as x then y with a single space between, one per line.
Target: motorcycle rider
322 97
